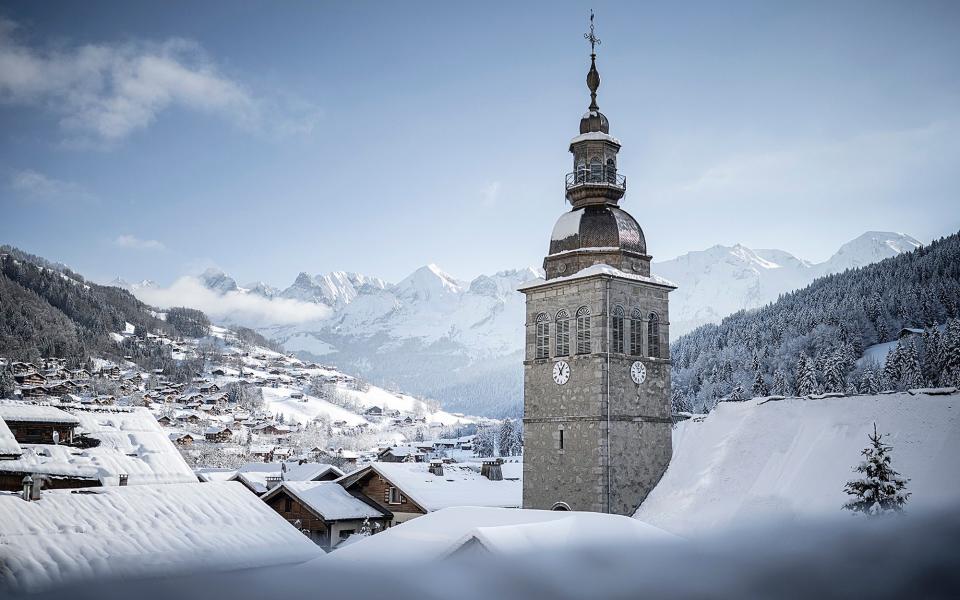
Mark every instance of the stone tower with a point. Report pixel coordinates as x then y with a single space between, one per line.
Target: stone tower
596 384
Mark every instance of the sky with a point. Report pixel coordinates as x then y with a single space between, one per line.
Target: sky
153 140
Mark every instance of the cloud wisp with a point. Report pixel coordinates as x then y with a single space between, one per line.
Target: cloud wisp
133 242
35 186
105 92
233 307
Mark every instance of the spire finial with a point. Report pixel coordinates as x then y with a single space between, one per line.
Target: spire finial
593 76
591 37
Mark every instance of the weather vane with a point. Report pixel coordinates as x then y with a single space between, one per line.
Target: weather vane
590 37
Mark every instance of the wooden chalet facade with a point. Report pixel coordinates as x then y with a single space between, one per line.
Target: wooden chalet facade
325 530
384 493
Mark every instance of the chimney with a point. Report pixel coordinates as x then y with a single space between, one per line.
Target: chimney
123 478
491 469
436 467
28 488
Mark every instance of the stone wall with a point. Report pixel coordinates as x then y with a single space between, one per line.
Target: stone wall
639 436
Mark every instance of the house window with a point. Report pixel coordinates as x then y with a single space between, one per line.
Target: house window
394 496
287 505
543 336
636 343
617 329
653 336
583 330
563 333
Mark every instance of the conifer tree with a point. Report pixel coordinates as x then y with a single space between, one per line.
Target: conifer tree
892 367
759 385
781 387
736 394
951 354
869 384
6 383
911 375
806 377
836 373
880 489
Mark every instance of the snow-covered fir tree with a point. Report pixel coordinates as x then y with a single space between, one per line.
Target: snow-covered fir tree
759 385
869 384
879 489
806 377
781 387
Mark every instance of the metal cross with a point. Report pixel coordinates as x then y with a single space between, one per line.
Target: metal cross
590 37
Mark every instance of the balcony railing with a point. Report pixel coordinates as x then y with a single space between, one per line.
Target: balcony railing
596 175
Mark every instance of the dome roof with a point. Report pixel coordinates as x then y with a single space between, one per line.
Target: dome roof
594 120
597 226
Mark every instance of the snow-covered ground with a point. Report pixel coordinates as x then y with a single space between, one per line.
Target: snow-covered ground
789 458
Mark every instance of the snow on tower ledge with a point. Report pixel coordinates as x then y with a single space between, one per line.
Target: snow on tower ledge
595 270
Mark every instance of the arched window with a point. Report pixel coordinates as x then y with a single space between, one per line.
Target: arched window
653 336
596 170
563 333
616 329
543 336
583 330
611 171
581 172
636 343
561 506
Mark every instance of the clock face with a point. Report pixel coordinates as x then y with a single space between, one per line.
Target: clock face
561 372
638 372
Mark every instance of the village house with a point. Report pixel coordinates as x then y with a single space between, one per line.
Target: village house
38 424
409 490
217 434
401 454
182 439
325 511
260 478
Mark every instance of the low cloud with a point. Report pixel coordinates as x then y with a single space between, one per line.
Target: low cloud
132 241
33 185
233 307
107 91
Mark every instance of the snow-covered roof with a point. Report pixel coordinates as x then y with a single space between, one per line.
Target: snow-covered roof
8 443
595 135
402 451
792 457
34 413
131 443
327 499
145 530
255 474
600 269
500 530
458 486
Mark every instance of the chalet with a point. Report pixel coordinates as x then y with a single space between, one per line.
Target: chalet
407 420
80 374
110 372
272 429
282 453
30 378
409 490
325 511
296 395
209 388
33 391
260 478
374 411
132 378
38 424
182 439
218 371
22 368
60 388
909 332
165 421
401 454
188 416
217 434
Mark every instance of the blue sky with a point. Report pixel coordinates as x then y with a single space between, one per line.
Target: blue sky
150 140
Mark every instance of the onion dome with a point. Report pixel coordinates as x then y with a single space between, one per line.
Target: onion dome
598 227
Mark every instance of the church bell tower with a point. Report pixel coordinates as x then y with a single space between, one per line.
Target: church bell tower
597 426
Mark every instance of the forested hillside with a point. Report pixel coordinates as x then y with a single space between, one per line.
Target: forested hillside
48 310
809 341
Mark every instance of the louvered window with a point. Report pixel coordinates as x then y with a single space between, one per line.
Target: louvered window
617 329
543 336
653 336
563 333
636 342
583 330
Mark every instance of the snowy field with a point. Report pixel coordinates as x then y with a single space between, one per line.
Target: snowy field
790 458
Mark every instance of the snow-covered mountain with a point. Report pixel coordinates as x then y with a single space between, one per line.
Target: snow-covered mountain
461 342
721 280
